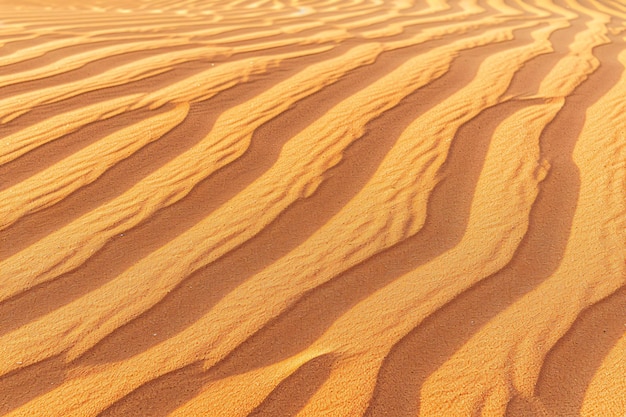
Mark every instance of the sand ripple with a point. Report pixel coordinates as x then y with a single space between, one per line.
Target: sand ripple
312 208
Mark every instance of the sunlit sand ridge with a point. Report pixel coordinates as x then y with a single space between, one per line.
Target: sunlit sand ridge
313 208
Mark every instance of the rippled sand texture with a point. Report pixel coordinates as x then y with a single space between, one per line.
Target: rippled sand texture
313 208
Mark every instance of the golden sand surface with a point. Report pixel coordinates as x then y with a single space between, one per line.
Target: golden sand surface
312 208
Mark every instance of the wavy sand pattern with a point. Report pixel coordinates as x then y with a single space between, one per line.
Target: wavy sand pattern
313 208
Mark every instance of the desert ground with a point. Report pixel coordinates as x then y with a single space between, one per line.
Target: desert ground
312 208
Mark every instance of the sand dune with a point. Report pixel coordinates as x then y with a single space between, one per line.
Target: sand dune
313 208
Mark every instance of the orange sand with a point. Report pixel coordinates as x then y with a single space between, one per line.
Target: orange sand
312 208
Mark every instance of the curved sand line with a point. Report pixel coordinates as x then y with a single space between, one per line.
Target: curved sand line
540 236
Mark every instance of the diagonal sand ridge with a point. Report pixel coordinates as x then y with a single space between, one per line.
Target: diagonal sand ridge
328 208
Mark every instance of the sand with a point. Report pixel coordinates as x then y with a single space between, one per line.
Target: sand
313 208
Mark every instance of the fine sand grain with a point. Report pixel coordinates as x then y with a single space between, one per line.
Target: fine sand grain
313 208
